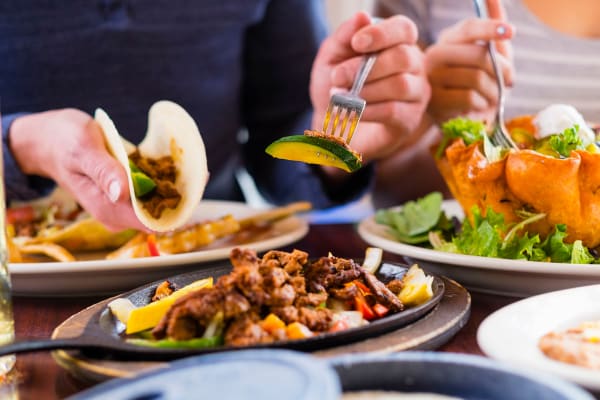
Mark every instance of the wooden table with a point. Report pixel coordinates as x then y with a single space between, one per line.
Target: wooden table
39 377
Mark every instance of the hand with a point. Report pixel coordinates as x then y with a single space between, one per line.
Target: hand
68 147
396 90
460 70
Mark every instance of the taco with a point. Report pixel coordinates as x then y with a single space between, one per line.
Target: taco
167 171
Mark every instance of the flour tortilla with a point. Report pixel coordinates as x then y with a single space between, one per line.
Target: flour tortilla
171 131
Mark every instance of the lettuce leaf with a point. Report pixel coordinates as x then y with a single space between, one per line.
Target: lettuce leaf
567 141
413 222
423 222
468 130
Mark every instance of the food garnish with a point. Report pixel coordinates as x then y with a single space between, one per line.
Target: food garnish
316 148
280 296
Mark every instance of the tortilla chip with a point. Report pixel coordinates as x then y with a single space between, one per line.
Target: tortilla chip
84 235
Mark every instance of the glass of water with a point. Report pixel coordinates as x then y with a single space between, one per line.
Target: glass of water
7 329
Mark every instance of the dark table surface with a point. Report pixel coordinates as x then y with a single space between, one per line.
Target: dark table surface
38 376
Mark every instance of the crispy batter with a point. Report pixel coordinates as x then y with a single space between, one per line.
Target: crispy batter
566 190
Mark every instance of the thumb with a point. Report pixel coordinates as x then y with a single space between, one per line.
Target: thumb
103 169
108 174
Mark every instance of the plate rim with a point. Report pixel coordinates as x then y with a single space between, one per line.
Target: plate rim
491 345
377 234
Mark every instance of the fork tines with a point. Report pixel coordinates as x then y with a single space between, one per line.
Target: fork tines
342 109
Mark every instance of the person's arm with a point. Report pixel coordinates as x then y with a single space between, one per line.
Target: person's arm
396 90
279 55
462 83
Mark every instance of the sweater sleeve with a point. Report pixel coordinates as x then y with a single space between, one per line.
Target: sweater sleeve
20 186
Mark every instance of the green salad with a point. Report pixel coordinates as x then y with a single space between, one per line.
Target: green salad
423 222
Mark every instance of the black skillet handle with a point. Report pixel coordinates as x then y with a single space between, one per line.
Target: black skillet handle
30 346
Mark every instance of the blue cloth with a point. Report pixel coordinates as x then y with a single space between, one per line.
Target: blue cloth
232 64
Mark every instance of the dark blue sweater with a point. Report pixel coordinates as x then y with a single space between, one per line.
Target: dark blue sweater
234 65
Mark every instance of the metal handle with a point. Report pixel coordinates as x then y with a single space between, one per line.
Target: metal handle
363 72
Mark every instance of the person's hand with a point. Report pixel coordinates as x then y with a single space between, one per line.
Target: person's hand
396 90
68 147
460 70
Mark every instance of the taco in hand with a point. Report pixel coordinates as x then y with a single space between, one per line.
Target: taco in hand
167 171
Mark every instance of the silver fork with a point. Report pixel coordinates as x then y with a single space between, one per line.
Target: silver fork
499 135
348 107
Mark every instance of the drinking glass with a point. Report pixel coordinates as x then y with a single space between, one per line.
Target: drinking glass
7 328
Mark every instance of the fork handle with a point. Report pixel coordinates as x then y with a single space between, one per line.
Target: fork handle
482 12
363 72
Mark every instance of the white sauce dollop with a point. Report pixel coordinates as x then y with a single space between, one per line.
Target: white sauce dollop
558 117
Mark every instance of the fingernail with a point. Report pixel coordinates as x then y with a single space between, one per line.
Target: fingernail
501 30
114 191
363 41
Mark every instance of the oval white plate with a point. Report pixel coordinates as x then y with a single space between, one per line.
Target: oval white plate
102 277
485 274
511 334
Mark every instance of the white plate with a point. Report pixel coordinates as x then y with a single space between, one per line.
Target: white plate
485 274
103 277
511 333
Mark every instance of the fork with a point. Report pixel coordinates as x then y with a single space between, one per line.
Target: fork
499 135
345 109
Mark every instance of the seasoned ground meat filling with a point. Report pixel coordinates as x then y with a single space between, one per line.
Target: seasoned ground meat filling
163 172
285 284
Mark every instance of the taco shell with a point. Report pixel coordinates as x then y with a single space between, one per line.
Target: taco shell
171 132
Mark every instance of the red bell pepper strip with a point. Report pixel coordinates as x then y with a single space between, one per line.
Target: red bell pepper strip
380 310
363 288
20 214
152 246
364 308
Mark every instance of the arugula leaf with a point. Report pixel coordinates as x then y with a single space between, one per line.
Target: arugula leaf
567 141
413 222
468 130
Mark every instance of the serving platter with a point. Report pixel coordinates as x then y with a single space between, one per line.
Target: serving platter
97 322
511 334
519 278
97 276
